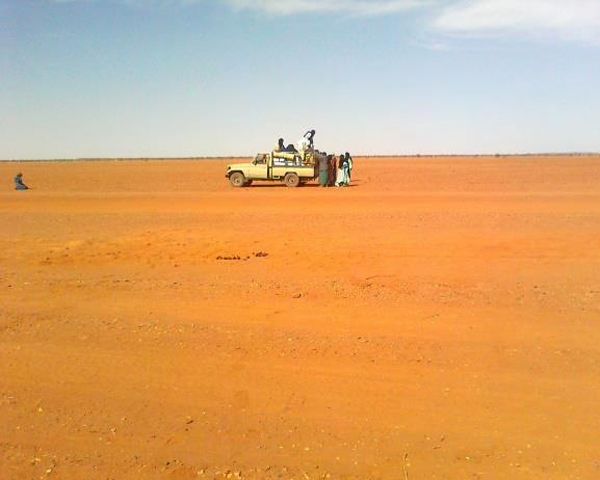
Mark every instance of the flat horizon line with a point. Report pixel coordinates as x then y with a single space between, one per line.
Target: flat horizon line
225 157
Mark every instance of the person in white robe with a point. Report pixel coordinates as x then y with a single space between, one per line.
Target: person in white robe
306 142
341 177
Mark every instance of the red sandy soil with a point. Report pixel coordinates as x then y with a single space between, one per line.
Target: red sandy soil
440 319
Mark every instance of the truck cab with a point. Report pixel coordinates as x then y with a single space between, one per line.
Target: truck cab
259 167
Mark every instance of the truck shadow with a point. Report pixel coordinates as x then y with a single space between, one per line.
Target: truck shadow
307 185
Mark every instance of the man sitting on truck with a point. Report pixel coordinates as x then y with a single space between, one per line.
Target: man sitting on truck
280 146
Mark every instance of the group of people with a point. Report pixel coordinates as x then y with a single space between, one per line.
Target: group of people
335 171
306 142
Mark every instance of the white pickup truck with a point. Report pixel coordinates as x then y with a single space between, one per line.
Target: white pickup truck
291 168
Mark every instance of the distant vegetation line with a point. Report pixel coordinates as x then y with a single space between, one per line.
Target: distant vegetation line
244 157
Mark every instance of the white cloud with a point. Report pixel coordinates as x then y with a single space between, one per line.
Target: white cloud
291 7
357 7
565 19
575 20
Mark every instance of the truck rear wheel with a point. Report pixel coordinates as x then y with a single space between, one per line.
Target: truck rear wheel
237 179
291 180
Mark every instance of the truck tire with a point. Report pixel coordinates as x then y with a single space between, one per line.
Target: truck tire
237 179
291 180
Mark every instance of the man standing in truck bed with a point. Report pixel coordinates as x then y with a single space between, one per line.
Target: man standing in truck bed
307 141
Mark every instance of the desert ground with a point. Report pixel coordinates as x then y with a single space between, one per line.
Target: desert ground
440 319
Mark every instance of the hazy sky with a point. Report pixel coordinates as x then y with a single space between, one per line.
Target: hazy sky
90 78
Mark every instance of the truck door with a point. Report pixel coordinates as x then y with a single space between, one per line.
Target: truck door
258 169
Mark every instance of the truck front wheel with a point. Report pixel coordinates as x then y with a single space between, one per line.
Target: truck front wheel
291 180
237 179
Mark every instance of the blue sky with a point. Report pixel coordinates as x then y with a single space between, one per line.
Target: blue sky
95 78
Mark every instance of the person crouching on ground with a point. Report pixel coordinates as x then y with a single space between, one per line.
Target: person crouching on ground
19 184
